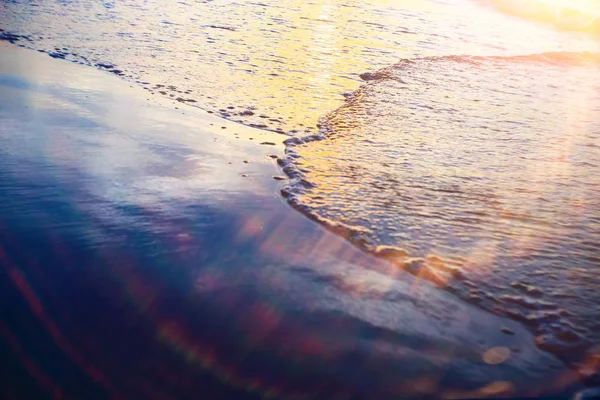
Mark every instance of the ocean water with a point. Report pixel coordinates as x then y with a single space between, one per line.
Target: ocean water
461 139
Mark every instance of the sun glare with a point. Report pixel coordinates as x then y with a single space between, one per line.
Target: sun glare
575 15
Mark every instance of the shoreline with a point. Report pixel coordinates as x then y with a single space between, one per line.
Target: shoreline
573 343
146 212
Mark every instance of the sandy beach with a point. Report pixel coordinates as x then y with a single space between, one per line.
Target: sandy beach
146 253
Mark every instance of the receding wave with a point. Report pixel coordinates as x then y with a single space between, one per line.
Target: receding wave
582 15
244 61
479 174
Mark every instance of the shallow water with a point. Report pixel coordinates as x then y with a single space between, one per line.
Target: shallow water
480 151
498 183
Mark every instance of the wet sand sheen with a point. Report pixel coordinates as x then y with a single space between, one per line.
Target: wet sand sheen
139 260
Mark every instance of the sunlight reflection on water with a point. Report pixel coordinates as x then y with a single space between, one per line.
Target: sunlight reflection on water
275 64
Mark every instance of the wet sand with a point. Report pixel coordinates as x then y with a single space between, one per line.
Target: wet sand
146 253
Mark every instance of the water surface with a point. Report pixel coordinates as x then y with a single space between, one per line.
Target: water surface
275 64
497 184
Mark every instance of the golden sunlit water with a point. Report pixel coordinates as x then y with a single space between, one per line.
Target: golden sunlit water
278 65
